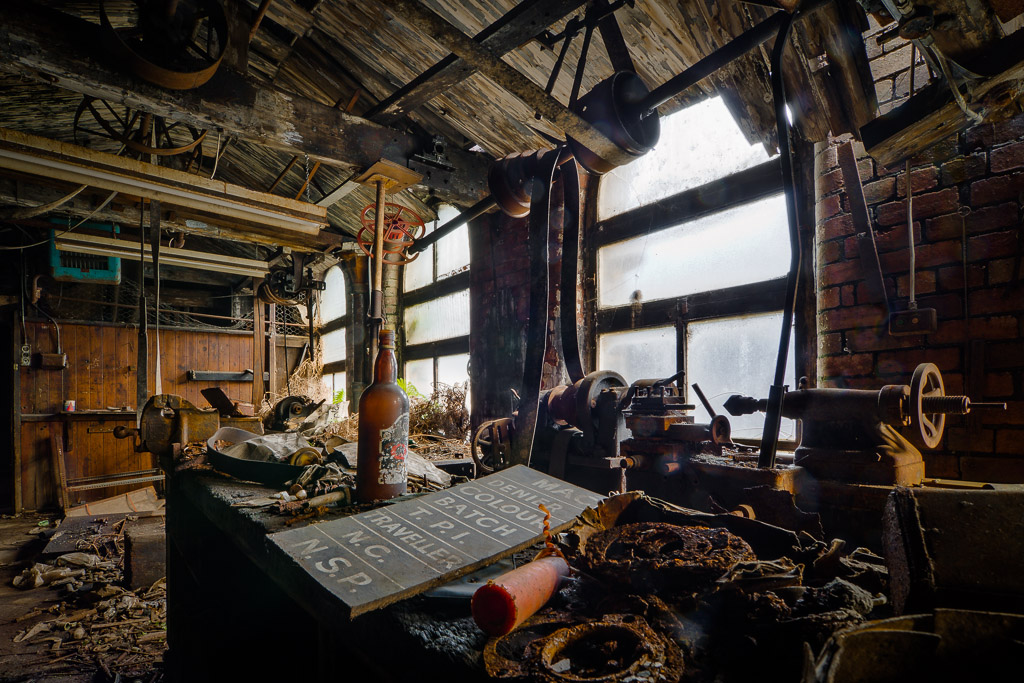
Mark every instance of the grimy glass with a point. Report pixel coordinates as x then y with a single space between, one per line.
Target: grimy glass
383 429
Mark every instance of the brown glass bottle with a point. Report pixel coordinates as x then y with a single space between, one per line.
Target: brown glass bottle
383 430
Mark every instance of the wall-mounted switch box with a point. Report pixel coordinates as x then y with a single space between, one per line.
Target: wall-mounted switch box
53 361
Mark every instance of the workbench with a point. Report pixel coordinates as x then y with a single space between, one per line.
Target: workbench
241 608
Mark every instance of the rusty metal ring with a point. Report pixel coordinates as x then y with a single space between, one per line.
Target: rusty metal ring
659 555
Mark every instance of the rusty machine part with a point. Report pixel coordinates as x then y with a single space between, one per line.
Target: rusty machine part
647 555
306 456
852 434
176 44
291 409
492 442
140 132
168 421
288 286
402 226
557 648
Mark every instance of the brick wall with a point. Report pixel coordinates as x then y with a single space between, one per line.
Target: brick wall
969 186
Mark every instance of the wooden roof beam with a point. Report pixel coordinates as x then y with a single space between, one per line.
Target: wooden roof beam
518 26
440 30
52 47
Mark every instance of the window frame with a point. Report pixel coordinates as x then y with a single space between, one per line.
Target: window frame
343 322
767 296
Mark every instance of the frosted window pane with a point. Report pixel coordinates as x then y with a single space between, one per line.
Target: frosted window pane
698 144
441 318
452 370
333 299
736 356
453 250
420 272
639 354
420 374
334 346
749 243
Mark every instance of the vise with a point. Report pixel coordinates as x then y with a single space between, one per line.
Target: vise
169 421
854 435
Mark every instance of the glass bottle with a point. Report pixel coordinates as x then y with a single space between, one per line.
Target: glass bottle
383 429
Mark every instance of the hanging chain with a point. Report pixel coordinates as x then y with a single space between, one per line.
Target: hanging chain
307 178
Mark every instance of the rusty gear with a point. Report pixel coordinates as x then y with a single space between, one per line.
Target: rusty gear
654 555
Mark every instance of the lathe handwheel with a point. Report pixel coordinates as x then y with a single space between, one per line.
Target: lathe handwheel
491 443
926 427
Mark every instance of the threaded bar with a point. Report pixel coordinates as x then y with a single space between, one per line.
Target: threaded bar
948 405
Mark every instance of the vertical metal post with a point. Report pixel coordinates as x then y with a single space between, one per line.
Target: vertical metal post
377 291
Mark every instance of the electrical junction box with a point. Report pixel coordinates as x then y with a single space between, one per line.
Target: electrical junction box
913 321
53 361
70 266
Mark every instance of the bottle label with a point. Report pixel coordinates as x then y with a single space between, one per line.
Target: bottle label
394 446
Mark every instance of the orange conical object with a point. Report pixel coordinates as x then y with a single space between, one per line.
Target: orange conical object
503 603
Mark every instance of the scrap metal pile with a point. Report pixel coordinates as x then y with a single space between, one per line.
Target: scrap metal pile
664 594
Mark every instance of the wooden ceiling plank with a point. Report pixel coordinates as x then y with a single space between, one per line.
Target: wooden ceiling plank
518 26
46 46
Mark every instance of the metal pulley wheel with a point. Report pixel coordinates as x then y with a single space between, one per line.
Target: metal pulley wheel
278 288
615 107
138 131
492 444
721 430
926 384
590 388
176 44
402 227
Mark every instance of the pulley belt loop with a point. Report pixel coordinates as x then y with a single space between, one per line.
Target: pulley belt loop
570 271
536 343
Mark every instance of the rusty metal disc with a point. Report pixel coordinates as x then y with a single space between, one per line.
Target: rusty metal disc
653 555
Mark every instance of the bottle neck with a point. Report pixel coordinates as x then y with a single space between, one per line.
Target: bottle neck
385 368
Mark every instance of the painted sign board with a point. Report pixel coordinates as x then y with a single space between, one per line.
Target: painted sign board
393 552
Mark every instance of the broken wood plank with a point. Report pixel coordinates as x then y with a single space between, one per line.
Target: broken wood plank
391 553
47 46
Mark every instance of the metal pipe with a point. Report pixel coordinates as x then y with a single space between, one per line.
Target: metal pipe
704 400
773 412
378 240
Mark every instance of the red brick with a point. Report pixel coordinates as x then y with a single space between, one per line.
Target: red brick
924 283
998 385
838 273
827 207
967 439
828 298
1002 271
1008 130
947 306
997 189
941 465
854 317
923 179
995 327
879 190
926 256
840 226
949 332
1010 441
953 383
896 238
848 295
993 245
904 362
866 168
997 300
850 365
962 169
945 227
1007 158
830 343
1013 415
878 339
892 62
925 206
943 150
979 137
901 85
830 252
830 182
828 159
864 295
1000 355
1008 470
952 277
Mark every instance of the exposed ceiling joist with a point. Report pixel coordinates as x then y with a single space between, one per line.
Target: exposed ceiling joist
52 47
520 25
429 23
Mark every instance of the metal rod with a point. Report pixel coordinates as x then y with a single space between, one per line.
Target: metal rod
773 411
703 400
259 18
478 209
378 240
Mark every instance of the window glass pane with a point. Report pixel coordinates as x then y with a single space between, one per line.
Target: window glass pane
453 250
745 244
452 370
334 346
736 356
441 318
420 374
334 298
698 144
420 272
639 354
